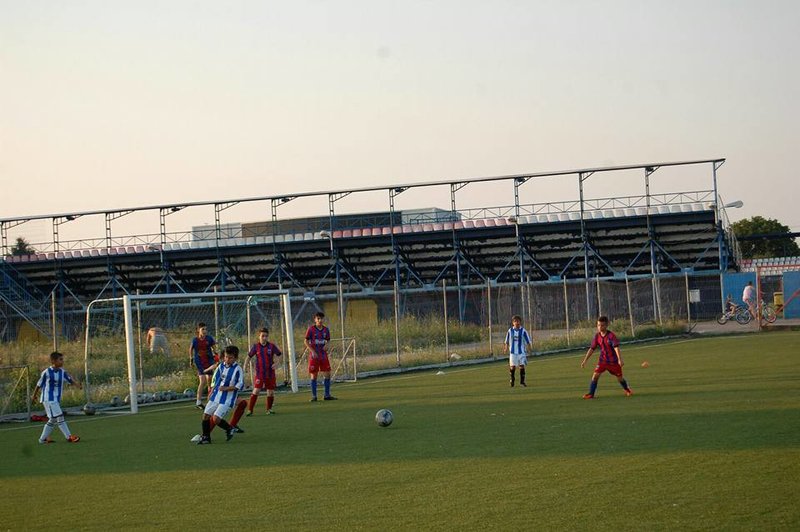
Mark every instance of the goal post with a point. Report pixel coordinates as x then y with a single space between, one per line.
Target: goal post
138 346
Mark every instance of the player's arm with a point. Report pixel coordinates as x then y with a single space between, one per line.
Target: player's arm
72 381
211 369
619 355
311 348
35 396
588 354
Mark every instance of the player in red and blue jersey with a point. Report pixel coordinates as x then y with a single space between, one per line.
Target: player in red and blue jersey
610 358
51 386
204 355
317 338
264 375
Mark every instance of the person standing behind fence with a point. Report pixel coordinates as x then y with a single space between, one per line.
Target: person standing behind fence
749 297
156 339
51 385
203 355
516 343
610 358
316 340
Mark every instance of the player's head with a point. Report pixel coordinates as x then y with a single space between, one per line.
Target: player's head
57 359
602 323
516 321
202 329
263 334
231 354
319 317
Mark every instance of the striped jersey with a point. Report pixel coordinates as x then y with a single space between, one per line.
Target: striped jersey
606 344
51 383
265 357
227 376
517 340
318 338
201 349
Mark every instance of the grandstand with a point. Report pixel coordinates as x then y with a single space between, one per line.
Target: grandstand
582 238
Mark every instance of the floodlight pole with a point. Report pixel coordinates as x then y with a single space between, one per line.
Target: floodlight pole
131 351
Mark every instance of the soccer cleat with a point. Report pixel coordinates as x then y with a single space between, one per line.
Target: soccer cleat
588 396
46 441
523 384
512 383
73 438
313 400
199 406
329 398
205 440
235 428
250 413
229 434
270 412
628 392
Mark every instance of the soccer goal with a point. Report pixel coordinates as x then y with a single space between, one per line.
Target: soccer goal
137 347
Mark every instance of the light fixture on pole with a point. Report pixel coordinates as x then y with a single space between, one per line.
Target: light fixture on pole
326 234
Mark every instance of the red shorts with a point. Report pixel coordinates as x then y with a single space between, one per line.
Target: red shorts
318 364
614 369
264 383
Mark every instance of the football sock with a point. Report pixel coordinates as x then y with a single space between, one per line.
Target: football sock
207 428
211 424
522 374
513 373
624 384
327 383
223 424
62 426
270 401
314 388
592 387
251 403
47 430
237 414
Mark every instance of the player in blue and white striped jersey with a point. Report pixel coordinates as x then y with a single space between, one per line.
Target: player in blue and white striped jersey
516 343
227 383
48 390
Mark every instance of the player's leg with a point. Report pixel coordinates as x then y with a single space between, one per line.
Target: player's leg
219 418
512 369
201 385
623 383
326 375
593 384
237 415
522 375
206 425
49 426
270 400
312 374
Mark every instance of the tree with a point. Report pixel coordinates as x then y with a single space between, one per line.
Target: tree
774 240
22 247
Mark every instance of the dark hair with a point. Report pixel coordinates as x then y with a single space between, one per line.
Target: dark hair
263 330
516 317
603 319
55 355
201 325
319 314
232 350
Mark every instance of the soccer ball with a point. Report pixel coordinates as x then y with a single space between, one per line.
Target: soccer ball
89 409
188 393
116 401
645 364
384 417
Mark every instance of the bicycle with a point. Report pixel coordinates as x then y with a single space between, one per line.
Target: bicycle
767 312
737 312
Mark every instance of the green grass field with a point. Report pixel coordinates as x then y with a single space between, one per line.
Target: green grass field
710 440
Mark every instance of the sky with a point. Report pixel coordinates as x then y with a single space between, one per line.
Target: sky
107 105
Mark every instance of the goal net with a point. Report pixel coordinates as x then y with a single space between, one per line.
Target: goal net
138 347
15 391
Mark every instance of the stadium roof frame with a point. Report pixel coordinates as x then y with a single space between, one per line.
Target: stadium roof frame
174 207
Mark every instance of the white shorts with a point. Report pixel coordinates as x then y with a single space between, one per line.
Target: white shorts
517 360
52 409
213 408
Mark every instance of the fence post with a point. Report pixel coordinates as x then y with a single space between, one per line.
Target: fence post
216 313
688 302
397 322
630 307
599 304
139 340
53 319
446 332
489 305
566 312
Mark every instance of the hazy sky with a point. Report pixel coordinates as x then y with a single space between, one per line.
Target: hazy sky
109 104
